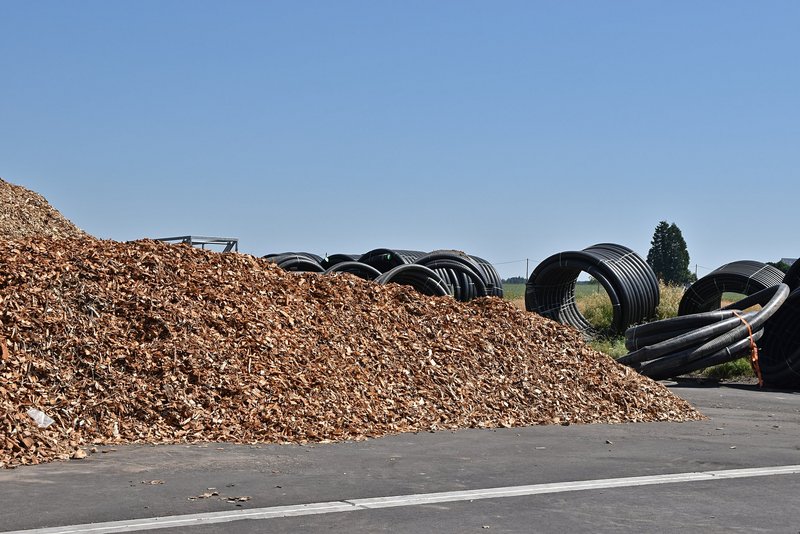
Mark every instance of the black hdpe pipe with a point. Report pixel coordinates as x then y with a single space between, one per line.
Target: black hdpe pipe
779 349
792 278
385 259
683 344
329 261
296 262
361 270
458 271
494 285
745 277
421 278
628 280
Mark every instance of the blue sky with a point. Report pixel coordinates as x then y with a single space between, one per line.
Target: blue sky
510 130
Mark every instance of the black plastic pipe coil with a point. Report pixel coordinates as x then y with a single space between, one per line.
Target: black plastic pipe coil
745 277
296 262
792 278
629 281
361 270
385 259
682 344
459 271
421 278
779 349
463 276
329 261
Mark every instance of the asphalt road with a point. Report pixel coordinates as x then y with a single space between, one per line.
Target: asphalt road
747 428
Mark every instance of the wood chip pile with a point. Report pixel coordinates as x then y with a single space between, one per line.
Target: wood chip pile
153 343
24 213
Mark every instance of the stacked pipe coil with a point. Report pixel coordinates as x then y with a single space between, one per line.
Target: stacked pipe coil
745 277
491 278
779 356
329 261
629 281
419 277
459 271
463 276
356 268
296 262
385 259
682 344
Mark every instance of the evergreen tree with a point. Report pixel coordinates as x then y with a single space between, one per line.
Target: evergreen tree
668 255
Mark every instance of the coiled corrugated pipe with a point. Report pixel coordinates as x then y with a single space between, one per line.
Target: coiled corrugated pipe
629 281
779 356
745 277
385 259
419 277
362 270
679 345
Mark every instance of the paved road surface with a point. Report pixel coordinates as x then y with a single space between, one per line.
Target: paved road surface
748 428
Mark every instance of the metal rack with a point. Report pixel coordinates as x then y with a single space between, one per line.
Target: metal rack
229 243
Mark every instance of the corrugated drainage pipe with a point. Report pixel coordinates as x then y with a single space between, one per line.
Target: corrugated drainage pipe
629 281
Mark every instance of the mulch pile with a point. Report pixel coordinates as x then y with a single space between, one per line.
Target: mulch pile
24 213
156 343
153 343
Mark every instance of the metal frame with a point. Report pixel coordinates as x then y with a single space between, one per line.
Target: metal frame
230 243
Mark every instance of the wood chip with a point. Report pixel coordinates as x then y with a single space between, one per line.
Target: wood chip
147 342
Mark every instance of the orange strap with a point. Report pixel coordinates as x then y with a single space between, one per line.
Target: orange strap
753 350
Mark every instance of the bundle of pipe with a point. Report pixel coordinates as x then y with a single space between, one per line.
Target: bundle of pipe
779 349
296 262
362 270
682 344
458 271
385 259
419 277
745 277
465 277
629 281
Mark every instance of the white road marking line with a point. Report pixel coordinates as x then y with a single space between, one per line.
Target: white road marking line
175 521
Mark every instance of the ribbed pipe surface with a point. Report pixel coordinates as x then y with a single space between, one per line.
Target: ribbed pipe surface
458 271
629 281
683 344
296 262
421 278
745 277
385 259
356 268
